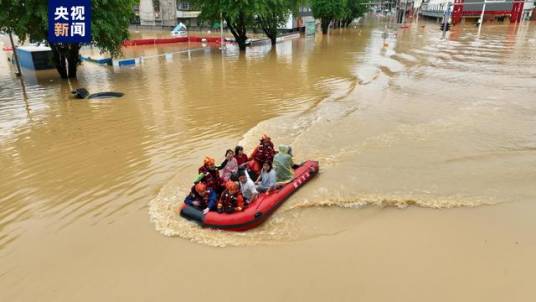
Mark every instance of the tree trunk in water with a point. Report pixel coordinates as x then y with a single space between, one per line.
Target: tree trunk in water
239 34
59 60
241 42
271 34
269 30
66 59
73 58
324 23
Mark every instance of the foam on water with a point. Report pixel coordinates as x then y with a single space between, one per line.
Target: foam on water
284 225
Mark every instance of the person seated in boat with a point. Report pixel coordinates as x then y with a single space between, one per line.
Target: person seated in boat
209 175
228 166
262 153
267 178
241 157
284 165
247 186
231 200
202 198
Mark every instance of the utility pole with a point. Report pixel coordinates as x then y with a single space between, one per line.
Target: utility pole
14 48
405 10
446 20
397 11
481 17
398 17
222 45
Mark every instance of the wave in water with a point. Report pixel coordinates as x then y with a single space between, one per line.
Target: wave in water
284 225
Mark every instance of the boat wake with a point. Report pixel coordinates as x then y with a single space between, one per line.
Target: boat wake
285 225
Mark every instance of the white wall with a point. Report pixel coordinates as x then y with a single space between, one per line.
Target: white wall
146 12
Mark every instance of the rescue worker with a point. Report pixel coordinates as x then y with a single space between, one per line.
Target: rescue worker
231 199
202 198
210 175
264 152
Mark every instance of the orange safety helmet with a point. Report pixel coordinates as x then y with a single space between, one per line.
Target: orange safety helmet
231 186
209 161
200 187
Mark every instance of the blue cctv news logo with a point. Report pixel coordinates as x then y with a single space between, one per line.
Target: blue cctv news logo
69 21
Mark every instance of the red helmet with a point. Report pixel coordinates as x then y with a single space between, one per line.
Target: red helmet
231 186
209 161
200 187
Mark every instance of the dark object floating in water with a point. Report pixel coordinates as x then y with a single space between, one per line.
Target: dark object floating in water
82 93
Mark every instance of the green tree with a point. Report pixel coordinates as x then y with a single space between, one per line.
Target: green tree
273 14
327 11
238 14
352 9
109 28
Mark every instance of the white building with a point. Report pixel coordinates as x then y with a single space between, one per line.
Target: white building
162 12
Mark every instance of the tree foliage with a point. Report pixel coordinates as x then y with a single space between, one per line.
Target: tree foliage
241 15
344 11
109 23
238 14
352 10
327 11
28 19
272 15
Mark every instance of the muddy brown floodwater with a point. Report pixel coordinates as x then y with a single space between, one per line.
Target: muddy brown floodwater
427 190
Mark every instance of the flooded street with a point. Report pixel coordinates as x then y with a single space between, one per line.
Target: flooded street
427 151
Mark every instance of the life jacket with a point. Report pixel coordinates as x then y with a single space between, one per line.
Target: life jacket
230 201
203 200
264 152
212 178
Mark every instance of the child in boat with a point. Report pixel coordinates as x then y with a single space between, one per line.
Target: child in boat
247 186
202 198
241 157
209 175
229 165
267 179
263 152
231 199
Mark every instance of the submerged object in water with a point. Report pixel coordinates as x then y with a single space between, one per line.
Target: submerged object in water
259 210
82 93
180 30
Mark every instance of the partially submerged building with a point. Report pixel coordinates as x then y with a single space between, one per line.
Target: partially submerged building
162 12
405 9
500 11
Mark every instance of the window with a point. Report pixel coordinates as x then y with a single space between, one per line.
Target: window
183 5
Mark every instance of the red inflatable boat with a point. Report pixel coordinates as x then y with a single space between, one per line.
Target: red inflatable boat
259 210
